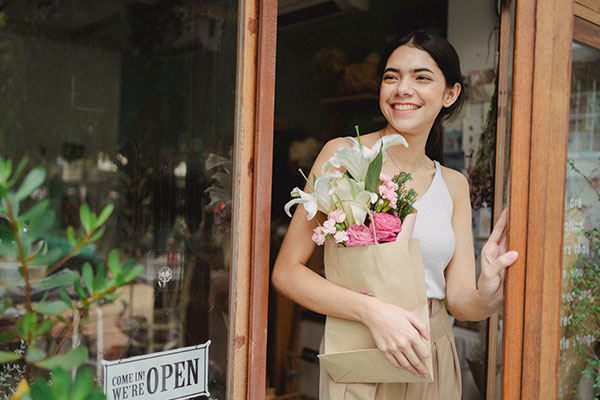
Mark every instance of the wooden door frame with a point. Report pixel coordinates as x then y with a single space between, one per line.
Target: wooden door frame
249 281
538 153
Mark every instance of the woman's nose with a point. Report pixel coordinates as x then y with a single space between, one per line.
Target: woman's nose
405 88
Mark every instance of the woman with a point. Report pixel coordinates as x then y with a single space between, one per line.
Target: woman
420 86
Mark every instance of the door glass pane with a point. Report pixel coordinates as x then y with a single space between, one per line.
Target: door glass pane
131 103
579 323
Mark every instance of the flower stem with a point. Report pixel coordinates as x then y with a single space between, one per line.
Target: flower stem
357 134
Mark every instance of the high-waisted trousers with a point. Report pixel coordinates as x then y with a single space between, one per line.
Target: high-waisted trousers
446 383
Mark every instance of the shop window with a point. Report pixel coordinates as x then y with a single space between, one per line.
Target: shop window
131 103
579 374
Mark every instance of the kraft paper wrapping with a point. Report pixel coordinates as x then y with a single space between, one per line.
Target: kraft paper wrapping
392 272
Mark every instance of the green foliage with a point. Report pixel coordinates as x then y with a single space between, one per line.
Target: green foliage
66 292
406 197
585 275
62 387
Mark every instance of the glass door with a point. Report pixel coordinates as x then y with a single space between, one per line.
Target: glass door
579 366
131 104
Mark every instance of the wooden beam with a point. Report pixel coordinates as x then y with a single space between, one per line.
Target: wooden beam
245 123
512 342
547 174
261 226
586 32
592 15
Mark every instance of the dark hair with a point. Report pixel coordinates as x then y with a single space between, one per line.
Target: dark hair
447 60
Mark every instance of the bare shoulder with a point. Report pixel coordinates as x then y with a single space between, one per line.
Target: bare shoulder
457 184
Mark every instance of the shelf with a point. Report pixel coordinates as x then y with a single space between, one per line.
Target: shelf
350 98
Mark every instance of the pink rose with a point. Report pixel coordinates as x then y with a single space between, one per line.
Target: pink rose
318 237
338 216
387 226
359 235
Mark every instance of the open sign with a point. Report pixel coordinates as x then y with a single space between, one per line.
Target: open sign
174 374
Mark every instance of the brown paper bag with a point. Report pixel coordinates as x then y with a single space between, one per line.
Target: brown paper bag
392 272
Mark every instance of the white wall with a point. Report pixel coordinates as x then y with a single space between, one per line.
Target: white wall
470 23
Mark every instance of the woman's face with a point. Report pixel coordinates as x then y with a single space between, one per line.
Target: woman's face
413 91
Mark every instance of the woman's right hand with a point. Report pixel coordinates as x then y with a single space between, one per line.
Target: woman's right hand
399 335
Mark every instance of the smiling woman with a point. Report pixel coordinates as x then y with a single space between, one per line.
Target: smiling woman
421 85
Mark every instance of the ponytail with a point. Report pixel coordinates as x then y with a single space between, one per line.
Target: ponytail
434 148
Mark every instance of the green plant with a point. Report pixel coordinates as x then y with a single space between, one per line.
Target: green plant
585 276
45 325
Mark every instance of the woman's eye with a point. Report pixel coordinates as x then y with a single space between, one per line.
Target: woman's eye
388 77
423 78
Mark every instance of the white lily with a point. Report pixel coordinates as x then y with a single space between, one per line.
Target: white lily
318 200
352 199
356 159
387 141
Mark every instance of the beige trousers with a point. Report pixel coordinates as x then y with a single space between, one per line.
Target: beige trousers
446 383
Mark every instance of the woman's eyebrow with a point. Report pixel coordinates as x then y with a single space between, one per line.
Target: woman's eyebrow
416 70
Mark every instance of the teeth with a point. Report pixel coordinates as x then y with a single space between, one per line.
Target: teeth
405 107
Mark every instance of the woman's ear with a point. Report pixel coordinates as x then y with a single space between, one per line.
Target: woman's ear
451 94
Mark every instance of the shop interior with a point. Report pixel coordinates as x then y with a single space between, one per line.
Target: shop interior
328 55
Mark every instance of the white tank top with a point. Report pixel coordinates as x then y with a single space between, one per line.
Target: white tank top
434 230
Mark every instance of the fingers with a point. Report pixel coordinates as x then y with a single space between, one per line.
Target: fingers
415 366
499 227
419 326
505 260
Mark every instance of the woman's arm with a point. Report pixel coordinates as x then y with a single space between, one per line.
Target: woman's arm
396 332
466 301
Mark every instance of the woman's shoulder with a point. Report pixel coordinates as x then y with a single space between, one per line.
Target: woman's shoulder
457 184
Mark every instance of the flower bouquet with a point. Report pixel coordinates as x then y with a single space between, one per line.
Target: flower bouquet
368 249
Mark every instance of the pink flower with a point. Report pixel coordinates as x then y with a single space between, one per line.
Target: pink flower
387 226
391 195
385 178
318 237
329 227
338 216
359 235
341 236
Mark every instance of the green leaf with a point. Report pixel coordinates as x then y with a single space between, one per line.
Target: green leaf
79 290
8 249
8 356
49 258
50 308
32 181
6 234
18 171
70 360
86 218
61 278
100 278
131 275
64 296
5 170
113 263
374 171
88 277
40 390
6 305
61 383
30 321
97 235
83 385
7 336
35 211
39 226
71 236
34 354
45 327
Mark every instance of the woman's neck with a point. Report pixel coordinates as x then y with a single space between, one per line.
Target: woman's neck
406 157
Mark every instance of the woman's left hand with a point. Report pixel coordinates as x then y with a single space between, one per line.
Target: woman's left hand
494 261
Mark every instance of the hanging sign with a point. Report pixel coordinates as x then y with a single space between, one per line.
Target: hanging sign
175 374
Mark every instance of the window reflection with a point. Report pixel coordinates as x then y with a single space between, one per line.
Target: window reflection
132 103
